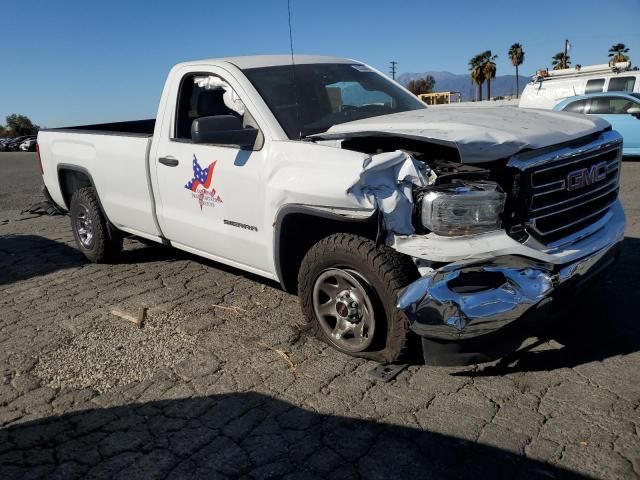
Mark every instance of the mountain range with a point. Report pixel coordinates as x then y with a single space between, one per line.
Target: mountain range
504 85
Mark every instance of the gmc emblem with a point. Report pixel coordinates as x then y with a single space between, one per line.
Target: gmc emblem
586 176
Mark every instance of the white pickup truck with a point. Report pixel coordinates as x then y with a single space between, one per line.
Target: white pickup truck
390 220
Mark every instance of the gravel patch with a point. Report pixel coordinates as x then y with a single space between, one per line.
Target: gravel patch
115 353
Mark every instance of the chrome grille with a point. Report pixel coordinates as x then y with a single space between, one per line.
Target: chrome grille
552 210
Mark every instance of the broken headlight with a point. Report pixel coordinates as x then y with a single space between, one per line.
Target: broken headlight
462 208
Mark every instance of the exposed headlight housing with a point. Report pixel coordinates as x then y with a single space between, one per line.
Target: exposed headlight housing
463 209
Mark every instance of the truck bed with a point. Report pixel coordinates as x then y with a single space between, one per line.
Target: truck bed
115 158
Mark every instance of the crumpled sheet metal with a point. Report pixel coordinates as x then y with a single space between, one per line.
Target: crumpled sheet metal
386 182
437 248
480 134
436 311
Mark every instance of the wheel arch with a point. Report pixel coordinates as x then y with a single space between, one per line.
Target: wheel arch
72 178
299 227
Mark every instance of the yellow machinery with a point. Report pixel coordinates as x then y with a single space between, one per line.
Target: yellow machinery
440 98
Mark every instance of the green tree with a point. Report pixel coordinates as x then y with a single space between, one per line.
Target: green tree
477 73
516 55
489 69
20 125
617 53
421 85
560 60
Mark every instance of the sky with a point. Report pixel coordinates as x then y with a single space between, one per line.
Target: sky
70 62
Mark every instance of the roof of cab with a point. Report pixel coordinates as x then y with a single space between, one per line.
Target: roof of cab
257 61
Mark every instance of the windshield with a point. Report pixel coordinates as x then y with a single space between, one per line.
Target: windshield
328 94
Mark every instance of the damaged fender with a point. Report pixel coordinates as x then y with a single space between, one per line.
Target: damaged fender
386 182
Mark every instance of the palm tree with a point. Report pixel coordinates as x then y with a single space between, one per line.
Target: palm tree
516 55
477 73
489 69
560 60
617 53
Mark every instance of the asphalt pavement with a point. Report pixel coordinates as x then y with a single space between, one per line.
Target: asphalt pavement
19 180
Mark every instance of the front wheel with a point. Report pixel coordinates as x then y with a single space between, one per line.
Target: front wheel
90 227
348 289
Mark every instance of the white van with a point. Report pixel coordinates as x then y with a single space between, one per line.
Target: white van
548 88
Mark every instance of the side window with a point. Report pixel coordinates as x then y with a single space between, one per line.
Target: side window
204 95
619 106
622 84
610 106
187 110
576 107
600 106
594 85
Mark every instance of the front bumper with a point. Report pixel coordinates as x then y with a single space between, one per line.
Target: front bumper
466 300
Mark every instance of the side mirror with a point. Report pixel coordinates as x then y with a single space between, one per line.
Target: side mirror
635 111
223 130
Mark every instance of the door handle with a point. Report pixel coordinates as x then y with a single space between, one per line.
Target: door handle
169 161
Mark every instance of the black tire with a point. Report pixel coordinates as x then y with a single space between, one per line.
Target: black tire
382 271
85 211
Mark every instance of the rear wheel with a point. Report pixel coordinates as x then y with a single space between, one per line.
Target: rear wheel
90 228
348 290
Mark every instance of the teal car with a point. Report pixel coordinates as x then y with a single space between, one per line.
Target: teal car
621 110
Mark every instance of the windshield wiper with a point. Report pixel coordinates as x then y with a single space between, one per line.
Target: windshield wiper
307 132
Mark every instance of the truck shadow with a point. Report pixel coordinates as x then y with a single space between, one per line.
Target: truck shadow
602 325
245 435
26 256
153 252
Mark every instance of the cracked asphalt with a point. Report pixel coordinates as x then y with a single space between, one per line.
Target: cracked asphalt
220 383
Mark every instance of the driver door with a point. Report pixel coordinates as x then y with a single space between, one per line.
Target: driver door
209 196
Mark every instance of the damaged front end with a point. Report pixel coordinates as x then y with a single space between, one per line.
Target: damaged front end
464 301
476 312
459 302
491 249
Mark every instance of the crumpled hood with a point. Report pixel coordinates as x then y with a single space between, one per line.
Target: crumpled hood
481 134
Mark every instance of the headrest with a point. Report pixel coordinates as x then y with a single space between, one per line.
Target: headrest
210 103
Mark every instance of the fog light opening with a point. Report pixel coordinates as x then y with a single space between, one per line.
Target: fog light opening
474 282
